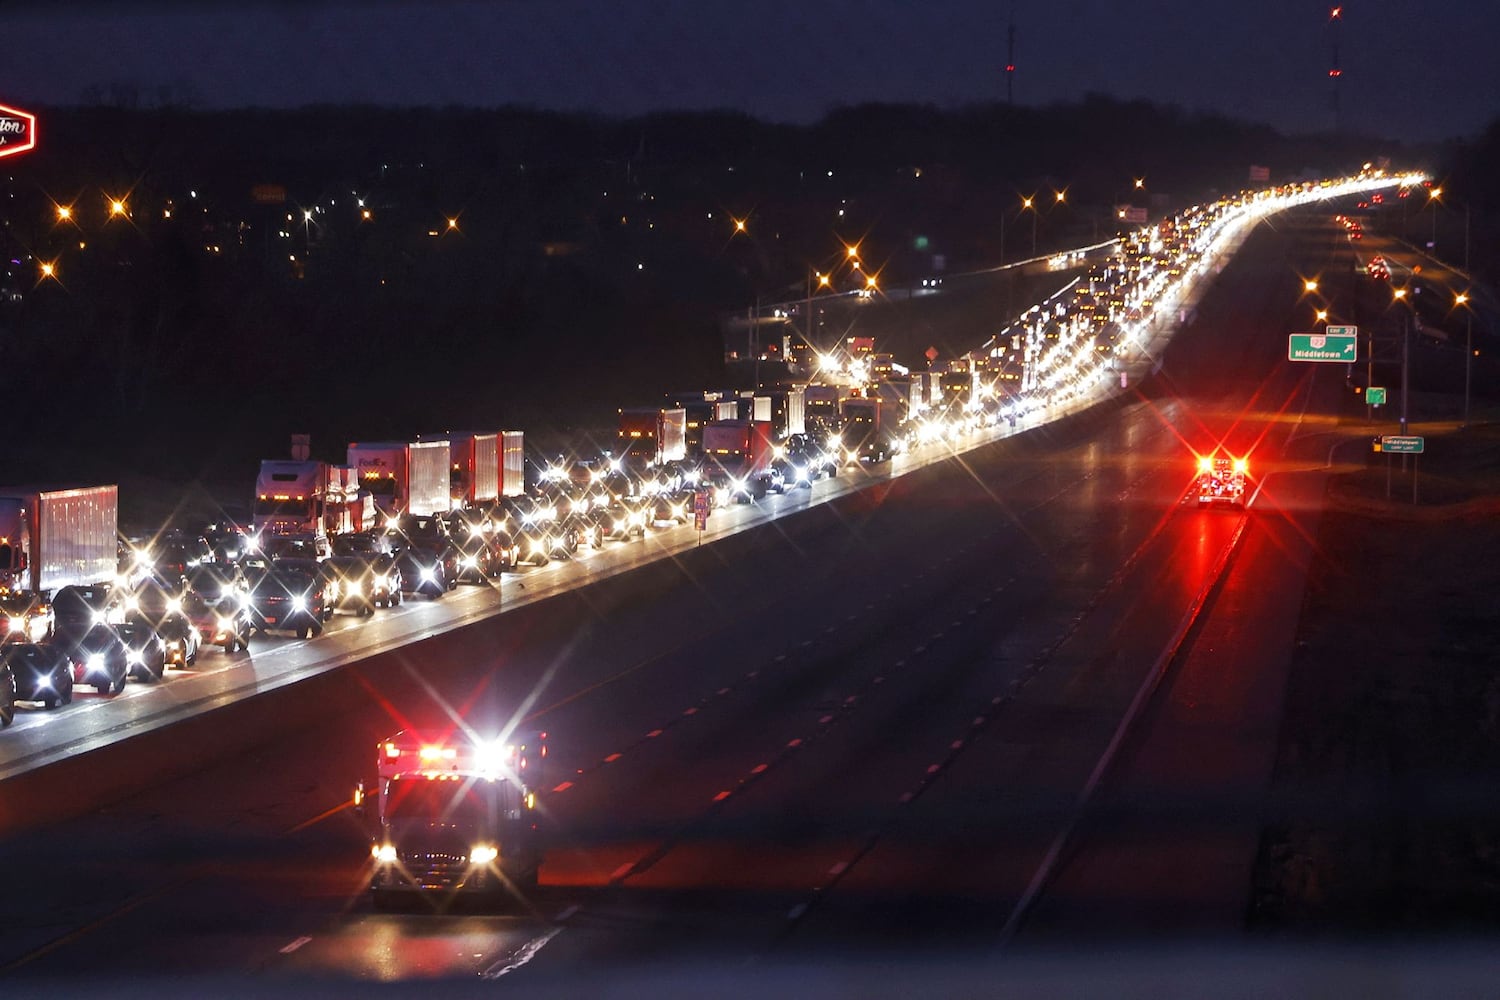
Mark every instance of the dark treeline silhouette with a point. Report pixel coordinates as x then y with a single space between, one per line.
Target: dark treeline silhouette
585 265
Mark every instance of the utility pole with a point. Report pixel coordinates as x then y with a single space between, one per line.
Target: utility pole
1468 322
1335 18
1010 58
1405 367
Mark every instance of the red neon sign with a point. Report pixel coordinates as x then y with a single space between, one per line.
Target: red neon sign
17 131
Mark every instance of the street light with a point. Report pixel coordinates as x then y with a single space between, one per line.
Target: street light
1310 285
1400 296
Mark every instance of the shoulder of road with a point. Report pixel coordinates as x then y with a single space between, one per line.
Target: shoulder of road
1388 736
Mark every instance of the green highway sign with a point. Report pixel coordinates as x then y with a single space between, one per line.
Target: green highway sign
1396 444
1329 347
1375 395
1341 331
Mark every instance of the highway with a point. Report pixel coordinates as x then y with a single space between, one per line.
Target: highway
904 719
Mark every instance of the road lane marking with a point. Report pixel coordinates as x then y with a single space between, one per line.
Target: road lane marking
320 817
1048 866
520 956
289 948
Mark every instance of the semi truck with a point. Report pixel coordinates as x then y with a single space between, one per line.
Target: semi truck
821 406
49 539
455 817
960 392
512 463
290 497
698 409
474 469
404 477
901 396
784 409
740 455
652 436
869 430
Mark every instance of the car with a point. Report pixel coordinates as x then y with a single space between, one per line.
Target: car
76 609
225 622
24 617
218 582
355 585
360 543
812 456
41 672
227 541
145 649
98 656
528 524
625 517
288 598
586 511
554 506
422 572
298 546
7 694
162 610
480 554
669 510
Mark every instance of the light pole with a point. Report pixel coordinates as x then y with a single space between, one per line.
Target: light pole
1400 294
1463 300
1029 205
822 282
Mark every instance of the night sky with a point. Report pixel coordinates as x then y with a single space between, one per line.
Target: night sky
1411 70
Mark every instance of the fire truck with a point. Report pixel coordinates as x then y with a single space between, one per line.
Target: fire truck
455 817
1221 479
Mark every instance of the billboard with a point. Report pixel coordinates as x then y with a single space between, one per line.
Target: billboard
17 131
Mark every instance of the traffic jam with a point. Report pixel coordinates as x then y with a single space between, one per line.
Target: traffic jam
84 608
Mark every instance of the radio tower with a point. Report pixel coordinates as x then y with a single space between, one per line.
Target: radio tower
1010 58
1335 18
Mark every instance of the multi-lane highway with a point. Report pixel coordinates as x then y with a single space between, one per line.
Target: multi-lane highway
1023 694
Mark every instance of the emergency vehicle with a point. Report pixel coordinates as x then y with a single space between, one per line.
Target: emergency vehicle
1221 479
455 817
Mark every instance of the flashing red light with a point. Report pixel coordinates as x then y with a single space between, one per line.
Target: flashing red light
1335 72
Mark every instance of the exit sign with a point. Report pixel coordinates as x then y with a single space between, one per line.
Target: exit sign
1396 444
1342 331
1325 347
1375 395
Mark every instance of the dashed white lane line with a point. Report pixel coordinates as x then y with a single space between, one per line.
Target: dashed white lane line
521 955
293 946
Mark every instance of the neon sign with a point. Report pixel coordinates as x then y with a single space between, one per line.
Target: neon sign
17 131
